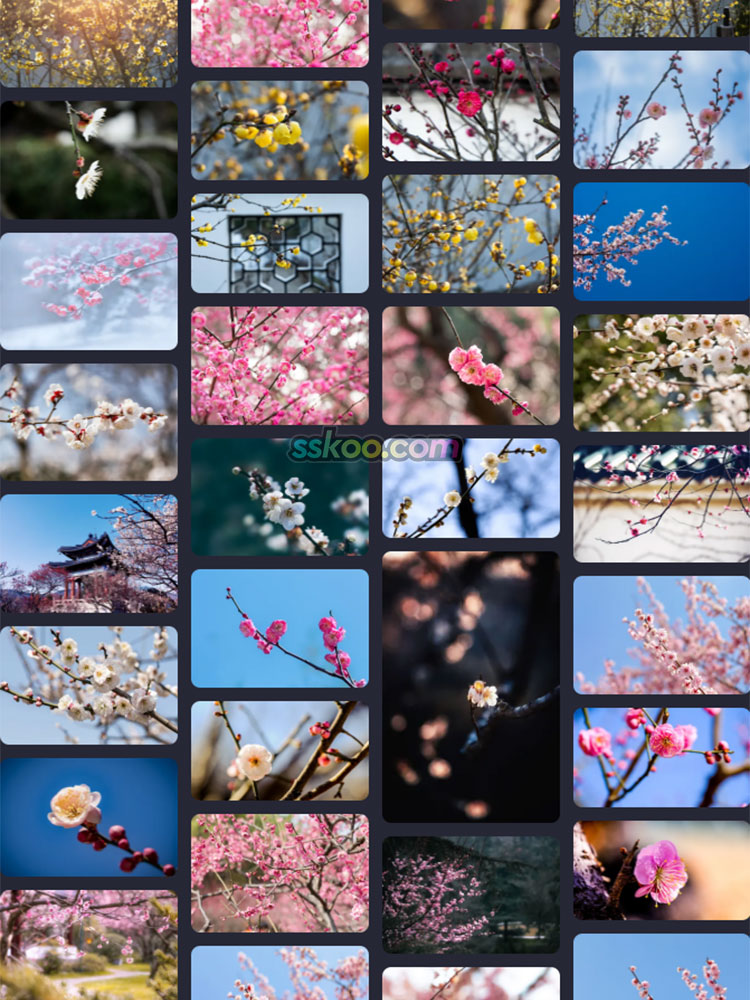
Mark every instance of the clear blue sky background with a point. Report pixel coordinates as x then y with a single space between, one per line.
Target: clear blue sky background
215 969
600 78
713 217
16 717
139 794
428 482
223 657
677 781
33 526
601 602
602 964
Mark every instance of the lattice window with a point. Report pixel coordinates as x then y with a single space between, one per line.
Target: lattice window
316 268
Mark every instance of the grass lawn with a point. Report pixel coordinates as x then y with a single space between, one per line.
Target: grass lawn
134 986
69 974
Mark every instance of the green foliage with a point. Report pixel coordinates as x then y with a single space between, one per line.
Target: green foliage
91 963
164 978
51 962
38 183
22 982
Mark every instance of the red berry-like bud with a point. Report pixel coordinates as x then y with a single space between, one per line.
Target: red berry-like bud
124 844
84 836
137 856
76 173
169 870
127 865
150 855
116 833
99 845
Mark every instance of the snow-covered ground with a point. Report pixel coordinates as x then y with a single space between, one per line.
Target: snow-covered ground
148 333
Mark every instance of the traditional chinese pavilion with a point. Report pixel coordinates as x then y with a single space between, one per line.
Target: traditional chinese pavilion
94 555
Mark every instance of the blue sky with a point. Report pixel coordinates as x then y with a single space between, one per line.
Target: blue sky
215 969
601 602
600 78
602 963
427 482
677 781
16 717
713 217
139 794
223 657
33 526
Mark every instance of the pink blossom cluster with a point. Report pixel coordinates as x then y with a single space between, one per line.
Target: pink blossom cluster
82 267
419 389
339 660
699 990
646 739
426 901
279 365
607 254
306 33
307 872
470 368
266 640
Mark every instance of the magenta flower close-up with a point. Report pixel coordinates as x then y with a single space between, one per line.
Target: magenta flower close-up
660 872
666 741
469 102
595 742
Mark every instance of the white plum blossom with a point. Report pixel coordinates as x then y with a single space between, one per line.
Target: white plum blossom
254 761
74 805
294 487
94 124
86 183
482 695
452 498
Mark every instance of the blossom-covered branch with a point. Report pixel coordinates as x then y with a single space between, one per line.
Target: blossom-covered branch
98 689
453 499
609 253
78 806
307 872
286 509
78 431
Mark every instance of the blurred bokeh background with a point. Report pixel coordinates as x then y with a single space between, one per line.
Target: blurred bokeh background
448 619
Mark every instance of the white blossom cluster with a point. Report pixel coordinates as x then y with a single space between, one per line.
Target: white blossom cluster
677 362
115 684
79 431
285 508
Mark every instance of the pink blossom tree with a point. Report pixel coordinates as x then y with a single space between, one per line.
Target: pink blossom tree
146 919
279 34
265 366
301 873
706 653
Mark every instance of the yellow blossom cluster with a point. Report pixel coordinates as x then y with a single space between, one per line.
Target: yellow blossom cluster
249 129
454 232
88 43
